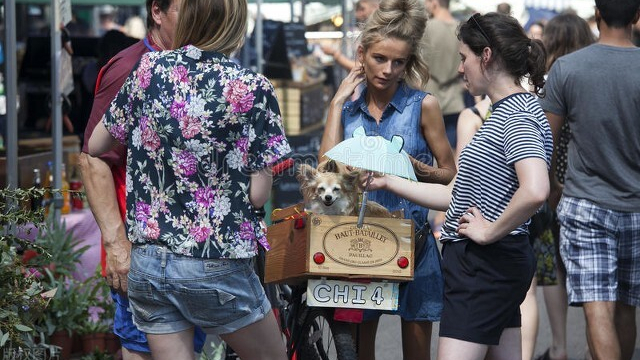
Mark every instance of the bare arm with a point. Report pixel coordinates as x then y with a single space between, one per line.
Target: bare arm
556 122
434 133
338 57
468 124
432 196
531 194
332 134
101 140
260 188
100 189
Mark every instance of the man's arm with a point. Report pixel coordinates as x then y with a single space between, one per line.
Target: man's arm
100 189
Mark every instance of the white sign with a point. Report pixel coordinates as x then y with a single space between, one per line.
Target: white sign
350 294
65 11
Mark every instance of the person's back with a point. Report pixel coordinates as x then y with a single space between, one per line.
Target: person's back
596 90
602 109
441 52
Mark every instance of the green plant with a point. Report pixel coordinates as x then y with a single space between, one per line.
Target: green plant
97 355
22 304
99 311
66 307
61 251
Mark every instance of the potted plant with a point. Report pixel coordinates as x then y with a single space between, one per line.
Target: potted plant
65 311
22 304
97 315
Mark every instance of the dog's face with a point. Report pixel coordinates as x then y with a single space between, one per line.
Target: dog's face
329 190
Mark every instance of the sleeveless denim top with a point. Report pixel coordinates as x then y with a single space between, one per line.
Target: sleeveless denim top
401 117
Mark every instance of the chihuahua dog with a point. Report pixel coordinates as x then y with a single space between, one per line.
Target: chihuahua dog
332 189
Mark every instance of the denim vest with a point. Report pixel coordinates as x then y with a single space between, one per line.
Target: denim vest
401 117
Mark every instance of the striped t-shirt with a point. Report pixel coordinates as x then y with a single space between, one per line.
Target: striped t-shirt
487 179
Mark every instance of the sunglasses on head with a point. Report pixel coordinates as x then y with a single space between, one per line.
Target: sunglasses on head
473 21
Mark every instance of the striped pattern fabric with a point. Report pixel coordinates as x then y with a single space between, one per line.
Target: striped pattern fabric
516 130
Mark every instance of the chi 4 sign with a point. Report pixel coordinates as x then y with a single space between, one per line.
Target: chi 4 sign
349 294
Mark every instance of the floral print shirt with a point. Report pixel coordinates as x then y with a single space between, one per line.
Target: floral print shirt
196 126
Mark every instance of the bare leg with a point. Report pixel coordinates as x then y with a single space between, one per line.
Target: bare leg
416 340
625 320
509 346
135 355
602 336
367 340
555 298
454 349
529 310
258 341
172 346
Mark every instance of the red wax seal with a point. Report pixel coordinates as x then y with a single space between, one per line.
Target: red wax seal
318 258
403 262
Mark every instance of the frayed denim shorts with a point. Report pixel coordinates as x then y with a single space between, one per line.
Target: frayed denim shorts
170 293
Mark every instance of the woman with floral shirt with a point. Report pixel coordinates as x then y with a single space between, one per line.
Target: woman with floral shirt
202 134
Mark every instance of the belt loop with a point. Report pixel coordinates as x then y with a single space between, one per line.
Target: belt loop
163 262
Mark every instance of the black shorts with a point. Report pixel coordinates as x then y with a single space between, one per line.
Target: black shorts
484 286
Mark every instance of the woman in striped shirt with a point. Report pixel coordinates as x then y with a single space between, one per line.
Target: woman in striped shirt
502 180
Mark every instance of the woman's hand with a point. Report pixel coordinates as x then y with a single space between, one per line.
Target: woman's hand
474 226
349 84
378 181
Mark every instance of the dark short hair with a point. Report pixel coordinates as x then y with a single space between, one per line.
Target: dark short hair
618 13
164 6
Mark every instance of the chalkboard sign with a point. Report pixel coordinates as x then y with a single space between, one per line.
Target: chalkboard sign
281 42
286 188
296 42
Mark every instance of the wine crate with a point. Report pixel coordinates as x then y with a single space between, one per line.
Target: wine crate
311 245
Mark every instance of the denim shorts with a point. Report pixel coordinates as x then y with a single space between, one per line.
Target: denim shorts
133 339
169 293
420 299
600 249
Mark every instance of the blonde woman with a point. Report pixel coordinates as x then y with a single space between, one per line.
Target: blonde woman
201 135
393 102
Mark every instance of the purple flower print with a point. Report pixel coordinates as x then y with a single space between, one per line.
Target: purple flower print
180 74
187 163
178 109
246 231
143 211
118 132
150 139
275 141
242 144
144 78
238 95
189 126
204 197
200 233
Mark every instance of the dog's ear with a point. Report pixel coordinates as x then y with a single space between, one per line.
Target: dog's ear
352 179
305 173
329 166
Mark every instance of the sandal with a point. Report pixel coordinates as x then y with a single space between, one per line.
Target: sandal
544 356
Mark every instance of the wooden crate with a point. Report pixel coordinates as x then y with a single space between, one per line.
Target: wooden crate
370 252
301 104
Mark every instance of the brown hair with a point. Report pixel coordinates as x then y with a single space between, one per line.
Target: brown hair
403 20
512 50
565 33
212 25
